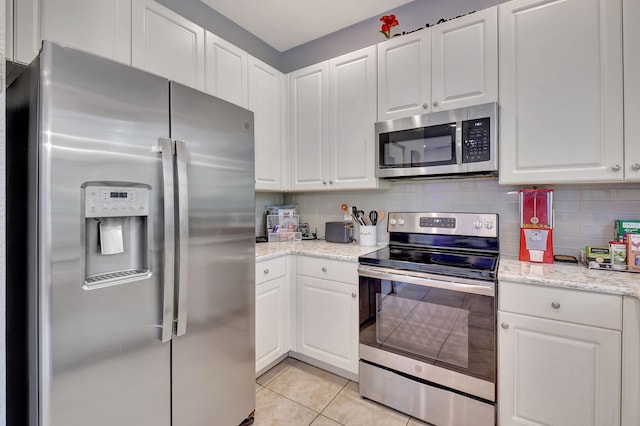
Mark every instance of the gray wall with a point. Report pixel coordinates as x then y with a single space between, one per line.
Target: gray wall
584 215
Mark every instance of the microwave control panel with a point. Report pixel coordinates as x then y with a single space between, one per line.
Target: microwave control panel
476 138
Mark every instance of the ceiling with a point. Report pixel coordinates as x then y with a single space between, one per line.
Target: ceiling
284 24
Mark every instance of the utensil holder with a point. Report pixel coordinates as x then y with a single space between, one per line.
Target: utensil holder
368 235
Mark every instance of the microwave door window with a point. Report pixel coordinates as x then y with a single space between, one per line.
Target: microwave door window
429 146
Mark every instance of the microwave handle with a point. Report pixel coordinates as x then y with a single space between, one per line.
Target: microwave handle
459 132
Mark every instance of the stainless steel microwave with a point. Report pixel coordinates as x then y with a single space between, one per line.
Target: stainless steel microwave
456 142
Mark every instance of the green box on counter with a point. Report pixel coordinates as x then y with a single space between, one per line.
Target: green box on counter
623 227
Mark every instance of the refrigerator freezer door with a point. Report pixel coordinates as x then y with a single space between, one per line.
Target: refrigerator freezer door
101 359
213 371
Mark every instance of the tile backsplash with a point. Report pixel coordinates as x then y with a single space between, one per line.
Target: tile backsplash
584 215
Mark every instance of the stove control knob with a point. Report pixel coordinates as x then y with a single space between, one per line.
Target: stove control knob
477 224
401 222
488 224
392 222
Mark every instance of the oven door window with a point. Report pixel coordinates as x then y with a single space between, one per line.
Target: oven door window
427 146
451 329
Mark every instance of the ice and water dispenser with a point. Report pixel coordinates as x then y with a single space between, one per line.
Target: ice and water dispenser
116 233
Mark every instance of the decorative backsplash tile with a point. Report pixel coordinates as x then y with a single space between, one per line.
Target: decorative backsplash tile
584 215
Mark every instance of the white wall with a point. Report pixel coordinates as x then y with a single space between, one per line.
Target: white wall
584 215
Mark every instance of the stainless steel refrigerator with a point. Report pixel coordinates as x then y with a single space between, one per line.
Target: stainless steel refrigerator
131 249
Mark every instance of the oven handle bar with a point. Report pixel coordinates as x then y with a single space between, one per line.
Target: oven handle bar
426 280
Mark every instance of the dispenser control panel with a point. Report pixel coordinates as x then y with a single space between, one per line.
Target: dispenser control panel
113 201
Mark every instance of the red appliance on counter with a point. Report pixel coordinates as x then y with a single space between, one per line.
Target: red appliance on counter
536 225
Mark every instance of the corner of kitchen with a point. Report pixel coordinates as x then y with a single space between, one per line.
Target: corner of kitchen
426 215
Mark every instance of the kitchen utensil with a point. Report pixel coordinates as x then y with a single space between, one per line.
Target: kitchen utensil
373 217
360 217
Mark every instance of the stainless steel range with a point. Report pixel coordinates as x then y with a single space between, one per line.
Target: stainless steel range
428 318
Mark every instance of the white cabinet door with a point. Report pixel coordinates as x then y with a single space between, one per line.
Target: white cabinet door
554 373
404 75
271 321
560 65
167 44
226 70
631 27
327 321
265 100
464 61
352 106
309 94
102 27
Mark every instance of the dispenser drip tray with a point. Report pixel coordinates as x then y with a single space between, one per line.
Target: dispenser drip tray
101 280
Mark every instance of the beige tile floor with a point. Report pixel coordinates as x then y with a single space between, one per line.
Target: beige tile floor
294 393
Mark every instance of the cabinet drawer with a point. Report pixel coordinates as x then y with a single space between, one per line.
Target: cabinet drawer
576 306
328 269
270 269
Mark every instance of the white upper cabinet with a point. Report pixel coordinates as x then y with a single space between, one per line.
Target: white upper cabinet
309 103
352 109
464 61
226 71
404 75
560 67
102 27
265 100
631 43
167 44
333 112
450 65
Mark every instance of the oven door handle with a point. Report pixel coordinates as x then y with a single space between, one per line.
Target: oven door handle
464 286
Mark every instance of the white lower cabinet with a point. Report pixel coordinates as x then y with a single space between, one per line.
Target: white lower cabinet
272 312
327 312
553 370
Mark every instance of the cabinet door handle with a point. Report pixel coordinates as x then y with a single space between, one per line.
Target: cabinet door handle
555 305
425 106
435 103
635 167
266 271
353 295
324 269
504 325
324 182
330 182
616 168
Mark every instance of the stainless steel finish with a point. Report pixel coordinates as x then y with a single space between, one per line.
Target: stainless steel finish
635 167
555 305
436 118
213 371
470 224
182 275
616 168
100 359
459 142
435 103
504 325
485 288
169 240
432 373
431 404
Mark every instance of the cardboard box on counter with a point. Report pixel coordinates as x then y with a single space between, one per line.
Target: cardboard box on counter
600 255
633 252
626 226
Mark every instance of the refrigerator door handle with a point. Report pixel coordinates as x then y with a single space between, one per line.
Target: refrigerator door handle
183 232
169 240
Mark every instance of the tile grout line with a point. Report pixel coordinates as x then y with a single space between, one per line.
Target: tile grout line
333 399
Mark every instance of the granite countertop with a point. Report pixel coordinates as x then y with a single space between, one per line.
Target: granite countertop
316 248
573 276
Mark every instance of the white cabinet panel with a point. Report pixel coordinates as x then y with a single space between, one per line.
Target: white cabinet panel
327 322
556 374
226 70
560 66
309 89
265 100
631 43
404 75
9 28
167 44
102 27
352 105
272 324
464 61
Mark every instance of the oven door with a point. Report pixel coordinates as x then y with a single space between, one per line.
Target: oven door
439 331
